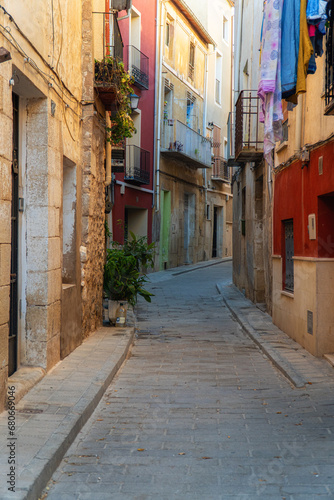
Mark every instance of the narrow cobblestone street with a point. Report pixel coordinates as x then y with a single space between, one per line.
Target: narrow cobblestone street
199 412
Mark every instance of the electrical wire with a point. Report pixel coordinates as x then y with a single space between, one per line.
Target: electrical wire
11 39
71 96
296 156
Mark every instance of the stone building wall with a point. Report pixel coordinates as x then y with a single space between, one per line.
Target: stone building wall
92 248
5 224
61 184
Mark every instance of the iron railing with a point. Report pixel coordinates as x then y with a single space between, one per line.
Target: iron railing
220 169
107 36
137 161
329 69
137 64
248 130
179 138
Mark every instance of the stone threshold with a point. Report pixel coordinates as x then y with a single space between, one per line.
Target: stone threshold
24 379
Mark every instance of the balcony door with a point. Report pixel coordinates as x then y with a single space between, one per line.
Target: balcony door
189 226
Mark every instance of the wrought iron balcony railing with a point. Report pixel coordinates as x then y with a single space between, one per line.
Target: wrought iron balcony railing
107 36
329 70
137 161
137 65
108 52
183 143
248 129
220 170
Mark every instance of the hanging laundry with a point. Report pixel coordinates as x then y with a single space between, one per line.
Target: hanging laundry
305 51
316 9
316 13
269 89
290 46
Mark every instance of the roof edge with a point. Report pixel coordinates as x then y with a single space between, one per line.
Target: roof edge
194 21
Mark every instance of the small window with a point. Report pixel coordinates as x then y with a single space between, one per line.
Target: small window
288 271
285 131
219 74
225 29
167 40
169 37
208 212
191 61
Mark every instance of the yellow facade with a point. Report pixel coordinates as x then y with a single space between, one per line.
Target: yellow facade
184 138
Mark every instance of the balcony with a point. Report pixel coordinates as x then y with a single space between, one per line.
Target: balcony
248 129
220 170
108 51
329 68
180 142
137 64
137 161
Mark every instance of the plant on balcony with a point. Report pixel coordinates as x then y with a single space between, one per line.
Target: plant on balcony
110 73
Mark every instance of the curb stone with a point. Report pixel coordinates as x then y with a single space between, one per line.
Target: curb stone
277 359
36 470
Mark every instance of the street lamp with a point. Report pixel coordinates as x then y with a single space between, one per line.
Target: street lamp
134 100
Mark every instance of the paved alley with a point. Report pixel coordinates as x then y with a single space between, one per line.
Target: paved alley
198 412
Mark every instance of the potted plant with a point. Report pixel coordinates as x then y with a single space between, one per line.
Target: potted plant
122 280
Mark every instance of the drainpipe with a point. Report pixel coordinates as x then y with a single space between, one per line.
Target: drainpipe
299 119
159 47
238 58
155 100
108 156
205 111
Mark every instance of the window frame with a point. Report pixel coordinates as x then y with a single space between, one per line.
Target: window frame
288 263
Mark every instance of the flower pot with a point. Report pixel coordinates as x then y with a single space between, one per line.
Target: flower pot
113 306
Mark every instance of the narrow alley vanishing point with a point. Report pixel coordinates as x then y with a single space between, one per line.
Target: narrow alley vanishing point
199 412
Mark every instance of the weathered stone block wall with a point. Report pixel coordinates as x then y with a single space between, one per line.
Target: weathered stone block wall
93 177
5 223
43 194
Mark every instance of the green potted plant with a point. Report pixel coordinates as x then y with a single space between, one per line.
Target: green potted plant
122 281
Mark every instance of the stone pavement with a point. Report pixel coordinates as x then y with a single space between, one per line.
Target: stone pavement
298 365
199 412
50 416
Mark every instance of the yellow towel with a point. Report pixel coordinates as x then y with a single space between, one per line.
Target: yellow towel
304 54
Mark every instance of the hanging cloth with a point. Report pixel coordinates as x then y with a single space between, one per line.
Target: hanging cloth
304 55
269 89
290 45
305 50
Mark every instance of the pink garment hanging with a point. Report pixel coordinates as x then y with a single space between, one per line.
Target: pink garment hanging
269 89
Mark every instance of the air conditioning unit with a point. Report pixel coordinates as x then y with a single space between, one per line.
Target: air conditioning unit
117 160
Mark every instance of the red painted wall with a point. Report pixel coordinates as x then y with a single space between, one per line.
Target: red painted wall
296 196
134 197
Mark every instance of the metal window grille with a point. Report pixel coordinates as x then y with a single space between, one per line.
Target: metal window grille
329 68
288 256
191 61
285 131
